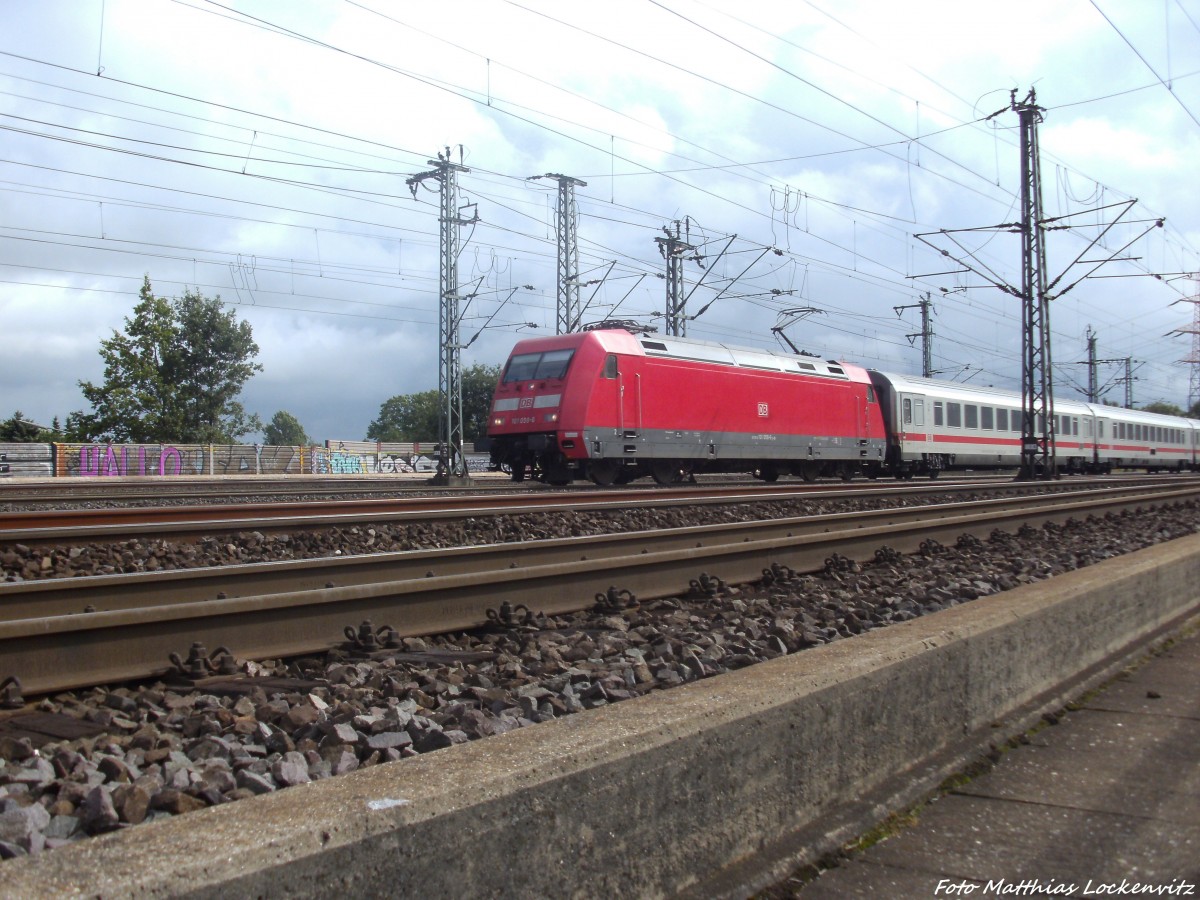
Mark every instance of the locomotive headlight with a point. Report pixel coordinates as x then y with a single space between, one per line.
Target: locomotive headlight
551 417
498 421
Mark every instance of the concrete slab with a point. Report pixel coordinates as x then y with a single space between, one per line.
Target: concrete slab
1172 679
985 839
891 882
1093 759
1111 794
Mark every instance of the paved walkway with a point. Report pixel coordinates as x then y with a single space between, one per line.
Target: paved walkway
1104 804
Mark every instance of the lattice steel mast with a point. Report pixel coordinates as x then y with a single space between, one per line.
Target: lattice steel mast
568 311
452 464
673 248
925 334
1037 383
1035 293
1193 358
1093 390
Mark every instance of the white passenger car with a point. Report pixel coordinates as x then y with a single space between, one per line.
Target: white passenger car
934 425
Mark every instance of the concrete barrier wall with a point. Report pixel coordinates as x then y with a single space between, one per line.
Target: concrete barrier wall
713 788
189 460
26 461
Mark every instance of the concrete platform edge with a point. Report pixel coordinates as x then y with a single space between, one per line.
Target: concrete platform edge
716 788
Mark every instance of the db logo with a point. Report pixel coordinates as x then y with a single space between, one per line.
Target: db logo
762 410
526 403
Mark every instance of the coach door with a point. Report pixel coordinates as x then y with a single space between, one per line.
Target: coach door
913 426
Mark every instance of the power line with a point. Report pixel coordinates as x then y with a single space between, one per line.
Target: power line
1145 62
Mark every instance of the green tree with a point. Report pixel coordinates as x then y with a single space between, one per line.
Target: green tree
479 384
406 417
1163 407
19 430
414 417
285 430
173 375
53 433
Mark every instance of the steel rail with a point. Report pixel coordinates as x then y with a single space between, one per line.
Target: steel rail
53 653
68 596
197 521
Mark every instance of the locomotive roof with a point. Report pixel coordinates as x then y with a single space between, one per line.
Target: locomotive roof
745 357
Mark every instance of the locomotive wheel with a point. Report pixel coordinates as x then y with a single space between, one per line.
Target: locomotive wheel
809 471
934 473
603 472
518 472
665 471
556 472
768 474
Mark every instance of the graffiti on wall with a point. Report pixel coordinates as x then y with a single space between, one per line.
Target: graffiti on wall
109 461
343 462
125 460
117 460
346 462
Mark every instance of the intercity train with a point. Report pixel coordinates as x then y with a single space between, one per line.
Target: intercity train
612 404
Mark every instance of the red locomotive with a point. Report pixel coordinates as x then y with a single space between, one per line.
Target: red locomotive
611 405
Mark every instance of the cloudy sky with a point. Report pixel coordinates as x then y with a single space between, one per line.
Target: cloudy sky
259 149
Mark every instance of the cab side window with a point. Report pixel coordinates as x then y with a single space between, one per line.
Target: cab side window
610 366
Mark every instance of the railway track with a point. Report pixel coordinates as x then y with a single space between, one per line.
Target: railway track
272 609
66 493
192 521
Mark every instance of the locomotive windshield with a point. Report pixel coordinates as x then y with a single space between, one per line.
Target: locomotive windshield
535 366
